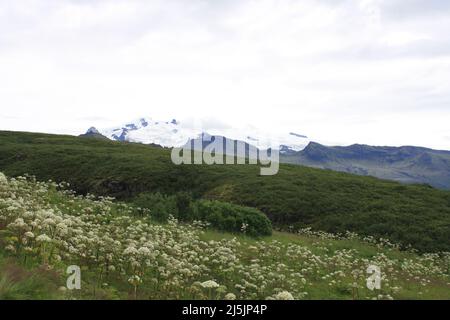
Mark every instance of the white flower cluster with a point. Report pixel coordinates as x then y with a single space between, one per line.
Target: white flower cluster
210 284
3 179
284 295
381 243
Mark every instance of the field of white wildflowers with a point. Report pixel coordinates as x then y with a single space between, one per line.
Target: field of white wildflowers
124 254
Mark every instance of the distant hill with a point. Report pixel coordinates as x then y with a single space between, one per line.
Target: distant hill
93 133
404 164
297 196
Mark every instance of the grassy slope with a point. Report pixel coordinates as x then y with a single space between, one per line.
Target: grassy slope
321 289
327 265
301 196
18 282
35 282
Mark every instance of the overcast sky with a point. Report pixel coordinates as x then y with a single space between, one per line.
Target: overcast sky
341 72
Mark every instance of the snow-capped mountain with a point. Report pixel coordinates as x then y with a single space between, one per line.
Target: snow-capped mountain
174 133
147 131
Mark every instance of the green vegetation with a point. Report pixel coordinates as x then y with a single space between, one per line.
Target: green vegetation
163 206
125 254
297 196
232 218
220 215
18 283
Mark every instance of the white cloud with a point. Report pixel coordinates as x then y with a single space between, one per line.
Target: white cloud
339 72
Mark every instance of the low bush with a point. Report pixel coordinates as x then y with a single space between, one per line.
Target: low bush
232 218
221 216
161 206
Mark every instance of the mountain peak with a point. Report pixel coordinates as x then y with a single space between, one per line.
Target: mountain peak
314 145
317 152
92 130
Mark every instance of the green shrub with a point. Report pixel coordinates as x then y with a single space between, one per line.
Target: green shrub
161 206
232 218
184 205
221 215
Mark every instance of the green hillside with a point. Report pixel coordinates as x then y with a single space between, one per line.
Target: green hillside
123 254
297 196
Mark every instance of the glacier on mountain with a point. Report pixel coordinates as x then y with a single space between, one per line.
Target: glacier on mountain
175 133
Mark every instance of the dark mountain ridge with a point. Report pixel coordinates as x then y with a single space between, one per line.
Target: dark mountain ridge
407 164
